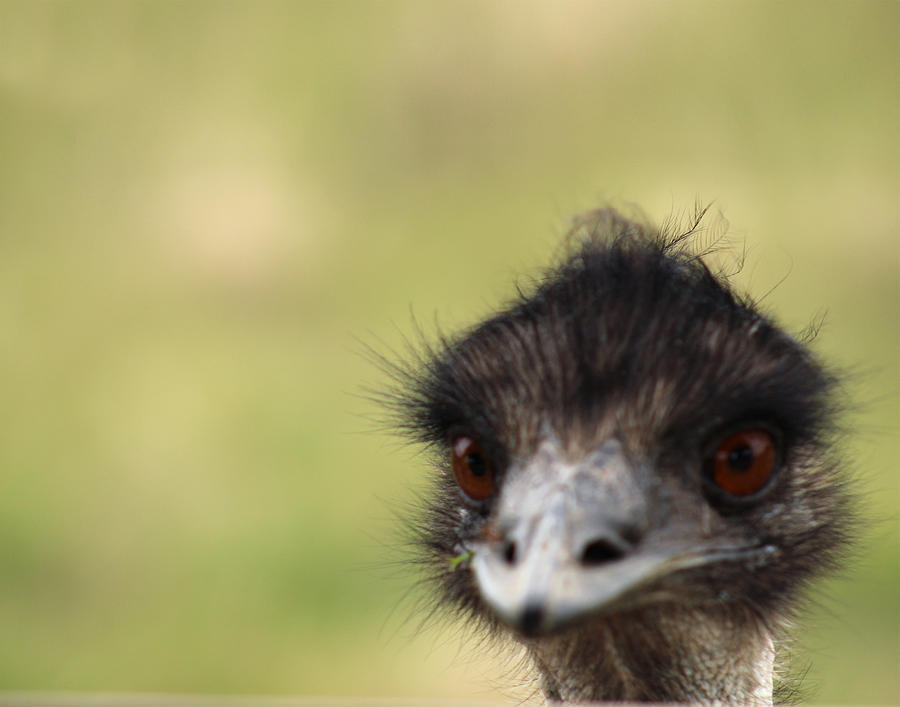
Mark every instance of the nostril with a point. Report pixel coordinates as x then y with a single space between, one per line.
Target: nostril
509 552
600 552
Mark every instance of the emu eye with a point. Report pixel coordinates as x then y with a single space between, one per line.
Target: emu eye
472 469
744 462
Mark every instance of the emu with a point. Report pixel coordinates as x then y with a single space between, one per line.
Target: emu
634 473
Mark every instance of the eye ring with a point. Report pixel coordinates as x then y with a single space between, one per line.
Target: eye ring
472 468
743 462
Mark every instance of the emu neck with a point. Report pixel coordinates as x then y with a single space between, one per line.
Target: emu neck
671 655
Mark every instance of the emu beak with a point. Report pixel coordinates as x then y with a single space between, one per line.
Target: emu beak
567 540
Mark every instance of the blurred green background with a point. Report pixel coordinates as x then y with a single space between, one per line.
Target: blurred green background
203 205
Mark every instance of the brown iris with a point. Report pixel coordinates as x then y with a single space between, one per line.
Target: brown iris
472 469
744 462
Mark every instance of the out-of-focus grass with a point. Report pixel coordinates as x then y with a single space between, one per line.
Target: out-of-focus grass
202 205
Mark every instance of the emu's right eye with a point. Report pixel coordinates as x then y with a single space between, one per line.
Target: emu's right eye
472 469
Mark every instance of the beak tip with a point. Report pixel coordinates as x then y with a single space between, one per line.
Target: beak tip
530 620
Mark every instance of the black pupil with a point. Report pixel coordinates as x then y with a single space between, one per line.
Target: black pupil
740 459
476 464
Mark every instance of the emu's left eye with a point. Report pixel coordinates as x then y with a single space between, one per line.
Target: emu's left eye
743 462
472 469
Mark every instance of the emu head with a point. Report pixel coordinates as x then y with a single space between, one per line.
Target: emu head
633 473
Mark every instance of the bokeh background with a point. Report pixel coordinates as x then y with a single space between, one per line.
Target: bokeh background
204 206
